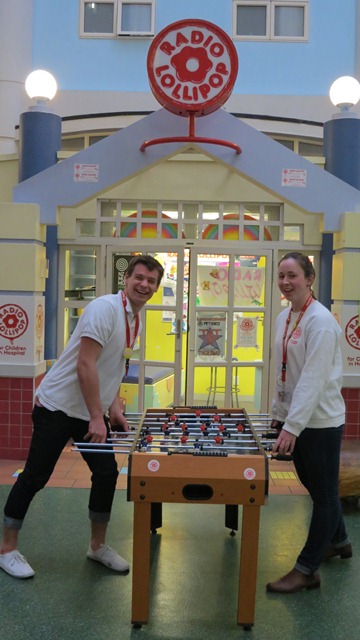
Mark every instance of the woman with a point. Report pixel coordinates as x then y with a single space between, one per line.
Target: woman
309 411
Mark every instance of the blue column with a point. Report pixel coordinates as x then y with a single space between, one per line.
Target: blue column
40 140
342 159
342 148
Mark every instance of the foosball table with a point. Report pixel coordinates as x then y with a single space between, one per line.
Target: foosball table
201 456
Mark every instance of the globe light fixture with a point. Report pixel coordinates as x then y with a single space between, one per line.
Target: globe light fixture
41 86
345 93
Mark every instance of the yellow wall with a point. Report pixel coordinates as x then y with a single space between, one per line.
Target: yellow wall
8 176
213 183
22 264
346 264
20 222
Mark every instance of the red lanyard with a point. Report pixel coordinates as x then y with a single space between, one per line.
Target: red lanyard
129 343
285 340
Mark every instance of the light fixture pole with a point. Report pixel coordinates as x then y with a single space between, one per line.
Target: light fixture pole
39 142
342 159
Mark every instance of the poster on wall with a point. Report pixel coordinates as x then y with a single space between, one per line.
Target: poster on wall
211 332
22 320
213 285
246 331
349 321
120 264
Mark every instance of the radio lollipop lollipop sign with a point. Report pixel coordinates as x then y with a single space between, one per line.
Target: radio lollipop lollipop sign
192 67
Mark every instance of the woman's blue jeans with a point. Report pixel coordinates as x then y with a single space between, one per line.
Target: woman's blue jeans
317 461
52 431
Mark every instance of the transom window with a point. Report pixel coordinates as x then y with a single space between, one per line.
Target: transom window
270 20
254 222
111 18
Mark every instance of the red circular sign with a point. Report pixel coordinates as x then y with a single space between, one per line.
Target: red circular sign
192 67
13 321
352 333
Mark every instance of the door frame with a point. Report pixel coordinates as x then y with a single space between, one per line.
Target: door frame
263 364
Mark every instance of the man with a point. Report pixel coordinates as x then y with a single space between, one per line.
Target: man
72 401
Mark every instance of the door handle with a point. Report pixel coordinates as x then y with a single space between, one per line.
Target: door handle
177 330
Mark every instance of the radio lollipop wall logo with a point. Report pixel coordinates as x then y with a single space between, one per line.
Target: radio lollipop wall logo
14 322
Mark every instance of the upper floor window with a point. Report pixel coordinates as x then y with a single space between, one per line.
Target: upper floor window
271 20
106 18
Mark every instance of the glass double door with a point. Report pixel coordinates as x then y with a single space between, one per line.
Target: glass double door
206 332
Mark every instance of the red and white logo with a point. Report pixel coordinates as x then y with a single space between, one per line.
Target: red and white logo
247 325
13 321
352 333
192 67
296 335
154 465
249 473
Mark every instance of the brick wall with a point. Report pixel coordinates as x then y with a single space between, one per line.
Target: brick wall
16 401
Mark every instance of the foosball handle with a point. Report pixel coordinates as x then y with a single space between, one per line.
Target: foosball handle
287 457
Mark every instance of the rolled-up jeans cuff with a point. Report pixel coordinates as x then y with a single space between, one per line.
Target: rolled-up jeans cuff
12 523
305 570
102 518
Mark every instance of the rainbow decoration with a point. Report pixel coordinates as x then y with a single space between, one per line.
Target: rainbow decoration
149 229
231 232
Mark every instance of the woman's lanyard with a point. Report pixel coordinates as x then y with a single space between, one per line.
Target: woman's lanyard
129 343
286 338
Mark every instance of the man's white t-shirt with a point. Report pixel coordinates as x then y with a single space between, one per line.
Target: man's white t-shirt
103 320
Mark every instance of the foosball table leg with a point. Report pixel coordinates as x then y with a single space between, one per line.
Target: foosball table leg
232 517
248 565
156 516
141 564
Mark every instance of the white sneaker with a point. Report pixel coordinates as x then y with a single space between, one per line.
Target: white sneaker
16 565
108 557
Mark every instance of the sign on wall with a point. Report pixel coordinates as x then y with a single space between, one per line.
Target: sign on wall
348 319
213 285
192 67
211 334
21 329
120 264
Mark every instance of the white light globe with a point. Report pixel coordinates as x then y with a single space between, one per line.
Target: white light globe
345 92
41 85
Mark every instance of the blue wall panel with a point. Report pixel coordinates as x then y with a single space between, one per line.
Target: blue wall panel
264 67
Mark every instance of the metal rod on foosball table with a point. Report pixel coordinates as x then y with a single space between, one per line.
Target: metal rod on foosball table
205 447
104 447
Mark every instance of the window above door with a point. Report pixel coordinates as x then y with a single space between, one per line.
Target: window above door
114 18
279 20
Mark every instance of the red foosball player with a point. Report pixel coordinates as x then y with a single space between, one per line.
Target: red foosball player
219 440
240 427
183 439
216 417
198 413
